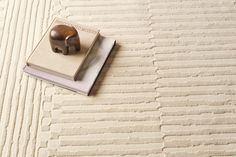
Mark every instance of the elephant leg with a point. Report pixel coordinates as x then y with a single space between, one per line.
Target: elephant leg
65 50
77 47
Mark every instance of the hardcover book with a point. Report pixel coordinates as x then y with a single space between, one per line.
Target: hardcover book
89 70
65 66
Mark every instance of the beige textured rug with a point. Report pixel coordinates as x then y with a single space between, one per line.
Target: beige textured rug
168 89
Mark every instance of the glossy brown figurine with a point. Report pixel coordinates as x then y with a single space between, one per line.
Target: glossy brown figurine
64 39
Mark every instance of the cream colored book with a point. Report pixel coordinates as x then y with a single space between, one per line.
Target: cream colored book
66 66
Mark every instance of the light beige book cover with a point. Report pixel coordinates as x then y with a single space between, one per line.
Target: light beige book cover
66 66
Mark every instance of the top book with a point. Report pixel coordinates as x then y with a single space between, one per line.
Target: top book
66 66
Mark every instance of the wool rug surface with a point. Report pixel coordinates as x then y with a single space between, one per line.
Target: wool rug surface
167 90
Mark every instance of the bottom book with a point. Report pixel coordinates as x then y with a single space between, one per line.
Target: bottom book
89 70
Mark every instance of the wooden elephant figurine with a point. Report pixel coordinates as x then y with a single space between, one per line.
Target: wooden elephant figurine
64 39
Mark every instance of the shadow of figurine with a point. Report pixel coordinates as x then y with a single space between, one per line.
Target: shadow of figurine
91 60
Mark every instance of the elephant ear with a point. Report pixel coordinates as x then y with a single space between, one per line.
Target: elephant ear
68 40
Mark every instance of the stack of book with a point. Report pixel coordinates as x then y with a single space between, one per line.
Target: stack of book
77 72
